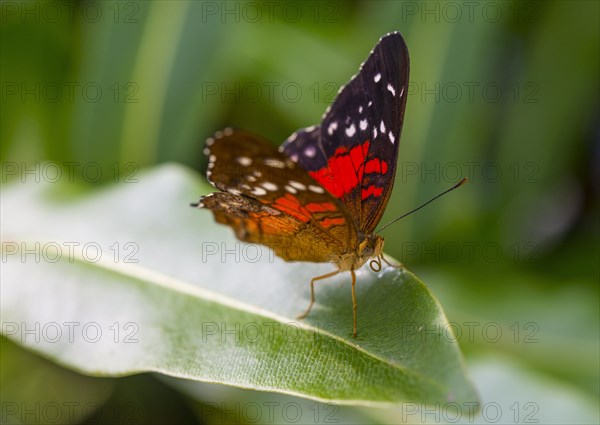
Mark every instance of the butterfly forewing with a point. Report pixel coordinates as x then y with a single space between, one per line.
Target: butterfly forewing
353 153
304 147
268 198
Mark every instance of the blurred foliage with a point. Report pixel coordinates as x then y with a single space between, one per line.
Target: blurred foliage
504 92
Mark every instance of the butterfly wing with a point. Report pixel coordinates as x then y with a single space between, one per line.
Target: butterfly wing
304 147
353 153
269 199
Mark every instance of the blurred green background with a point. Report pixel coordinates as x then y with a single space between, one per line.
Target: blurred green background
503 92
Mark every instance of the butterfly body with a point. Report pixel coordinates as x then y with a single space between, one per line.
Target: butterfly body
319 197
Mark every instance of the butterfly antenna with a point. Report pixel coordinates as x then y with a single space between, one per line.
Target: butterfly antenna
460 183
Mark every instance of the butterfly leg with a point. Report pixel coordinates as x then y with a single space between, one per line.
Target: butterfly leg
396 266
354 305
312 291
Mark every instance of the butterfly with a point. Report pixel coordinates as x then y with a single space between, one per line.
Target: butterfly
320 196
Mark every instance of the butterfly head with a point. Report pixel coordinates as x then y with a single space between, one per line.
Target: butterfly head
370 247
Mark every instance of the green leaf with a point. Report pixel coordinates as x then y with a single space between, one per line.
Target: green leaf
35 390
131 279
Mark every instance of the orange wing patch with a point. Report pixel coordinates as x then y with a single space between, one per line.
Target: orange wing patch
289 237
330 222
315 207
289 204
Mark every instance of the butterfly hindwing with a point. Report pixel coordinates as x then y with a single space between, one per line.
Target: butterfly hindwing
288 237
269 199
356 145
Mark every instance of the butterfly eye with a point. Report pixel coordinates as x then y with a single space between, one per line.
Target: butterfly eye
368 251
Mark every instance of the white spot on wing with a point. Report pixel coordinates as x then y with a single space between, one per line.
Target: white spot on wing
377 78
374 132
382 127
210 141
297 185
363 125
244 161
391 136
360 109
316 189
228 131
290 189
310 151
391 89
269 186
292 137
351 131
275 163
332 127
259 191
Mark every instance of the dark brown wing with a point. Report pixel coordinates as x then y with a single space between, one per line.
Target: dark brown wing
269 199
